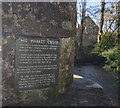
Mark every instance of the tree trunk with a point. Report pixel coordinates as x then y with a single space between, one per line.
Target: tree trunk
101 19
82 27
119 22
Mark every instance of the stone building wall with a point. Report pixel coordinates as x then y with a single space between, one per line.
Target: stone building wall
89 36
90 32
48 20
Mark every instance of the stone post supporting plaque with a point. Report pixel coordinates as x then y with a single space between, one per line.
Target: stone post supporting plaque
38 52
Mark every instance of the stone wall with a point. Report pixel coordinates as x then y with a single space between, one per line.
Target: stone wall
56 20
90 33
89 36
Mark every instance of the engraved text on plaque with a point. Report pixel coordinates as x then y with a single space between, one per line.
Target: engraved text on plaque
36 62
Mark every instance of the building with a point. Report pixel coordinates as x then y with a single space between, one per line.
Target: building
89 35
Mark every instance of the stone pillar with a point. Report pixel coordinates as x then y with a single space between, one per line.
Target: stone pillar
42 21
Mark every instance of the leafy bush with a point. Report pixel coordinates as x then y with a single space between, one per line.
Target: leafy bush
110 49
88 56
112 61
107 41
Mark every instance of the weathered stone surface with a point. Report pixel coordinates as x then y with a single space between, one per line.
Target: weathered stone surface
47 19
43 20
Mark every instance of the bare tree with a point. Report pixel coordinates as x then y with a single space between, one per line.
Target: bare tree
101 19
82 25
81 7
118 12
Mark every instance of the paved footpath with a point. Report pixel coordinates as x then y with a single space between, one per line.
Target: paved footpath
97 74
86 93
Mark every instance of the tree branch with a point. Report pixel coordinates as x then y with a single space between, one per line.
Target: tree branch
110 25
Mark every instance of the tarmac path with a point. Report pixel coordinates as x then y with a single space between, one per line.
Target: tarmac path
97 74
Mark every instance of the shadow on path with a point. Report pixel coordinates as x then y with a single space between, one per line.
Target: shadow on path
105 79
86 93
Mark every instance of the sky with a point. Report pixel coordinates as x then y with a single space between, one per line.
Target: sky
89 5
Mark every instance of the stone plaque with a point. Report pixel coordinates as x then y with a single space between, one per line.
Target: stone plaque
36 62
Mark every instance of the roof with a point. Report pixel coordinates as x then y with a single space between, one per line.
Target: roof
88 17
